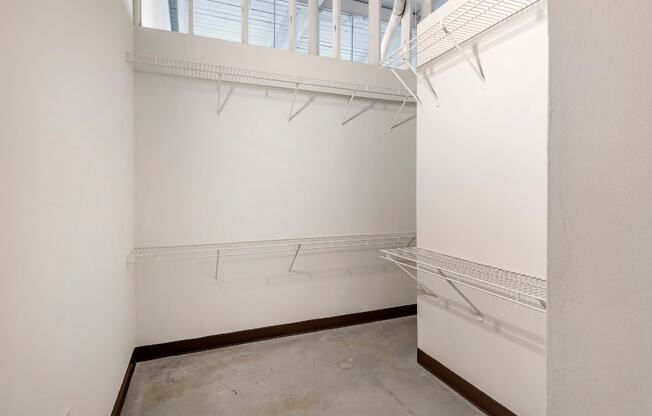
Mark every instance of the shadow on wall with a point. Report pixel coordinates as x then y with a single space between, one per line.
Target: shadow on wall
515 334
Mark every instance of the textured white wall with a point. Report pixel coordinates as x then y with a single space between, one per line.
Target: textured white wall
481 196
251 174
600 319
66 217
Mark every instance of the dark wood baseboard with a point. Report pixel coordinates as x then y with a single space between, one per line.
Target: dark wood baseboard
122 393
186 346
467 390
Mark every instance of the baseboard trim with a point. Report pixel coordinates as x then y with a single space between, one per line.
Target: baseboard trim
186 346
467 390
122 393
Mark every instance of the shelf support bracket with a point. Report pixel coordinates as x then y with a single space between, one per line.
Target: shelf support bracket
411 241
414 277
294 99
405 85
348 107
294 258
459 292
477 69
217 265
391 127
423 78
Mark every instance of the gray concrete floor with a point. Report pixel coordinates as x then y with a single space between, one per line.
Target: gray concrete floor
367 369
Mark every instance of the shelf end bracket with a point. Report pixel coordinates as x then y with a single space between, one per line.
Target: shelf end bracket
412 93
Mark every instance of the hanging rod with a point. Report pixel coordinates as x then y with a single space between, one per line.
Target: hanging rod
234 75
514 287
290 245
469 20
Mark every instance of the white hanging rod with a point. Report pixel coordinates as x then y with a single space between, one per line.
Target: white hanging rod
469 20
514 287
234 75
170 253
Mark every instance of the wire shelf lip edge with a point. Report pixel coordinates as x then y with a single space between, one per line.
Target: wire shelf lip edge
468 21
181 252
515 287
236 75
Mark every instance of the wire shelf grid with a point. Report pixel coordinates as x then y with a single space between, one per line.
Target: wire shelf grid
469 20
235 75
515 287
183 252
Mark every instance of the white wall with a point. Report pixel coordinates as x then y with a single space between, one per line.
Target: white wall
66 217
251 174
600 320
481 196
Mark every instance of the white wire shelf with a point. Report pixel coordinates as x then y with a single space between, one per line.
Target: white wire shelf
514 287
171 253
234 75
469 20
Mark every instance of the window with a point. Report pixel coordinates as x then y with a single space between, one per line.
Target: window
325 32
165 14
219 19
269 23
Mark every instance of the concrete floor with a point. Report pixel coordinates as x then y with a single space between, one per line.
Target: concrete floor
367 369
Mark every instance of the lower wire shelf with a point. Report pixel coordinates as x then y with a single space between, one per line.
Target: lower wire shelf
514 287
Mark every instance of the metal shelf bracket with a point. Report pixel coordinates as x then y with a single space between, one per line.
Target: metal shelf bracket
400 109
348 107
294 258
412 93
294 99
420 285
476 68
459 292
424 79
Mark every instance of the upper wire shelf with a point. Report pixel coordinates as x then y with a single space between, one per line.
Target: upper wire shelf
511 286
167 253
234 75
466 22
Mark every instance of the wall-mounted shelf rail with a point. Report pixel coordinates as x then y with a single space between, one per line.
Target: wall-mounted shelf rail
522 289
469 20
234 75
291 245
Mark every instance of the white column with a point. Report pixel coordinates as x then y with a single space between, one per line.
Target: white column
292 32
337 38
245 22
406 24
374 32
426 8
313 27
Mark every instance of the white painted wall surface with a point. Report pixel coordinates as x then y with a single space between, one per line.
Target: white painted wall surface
251 174
600 228
66 217
481 196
